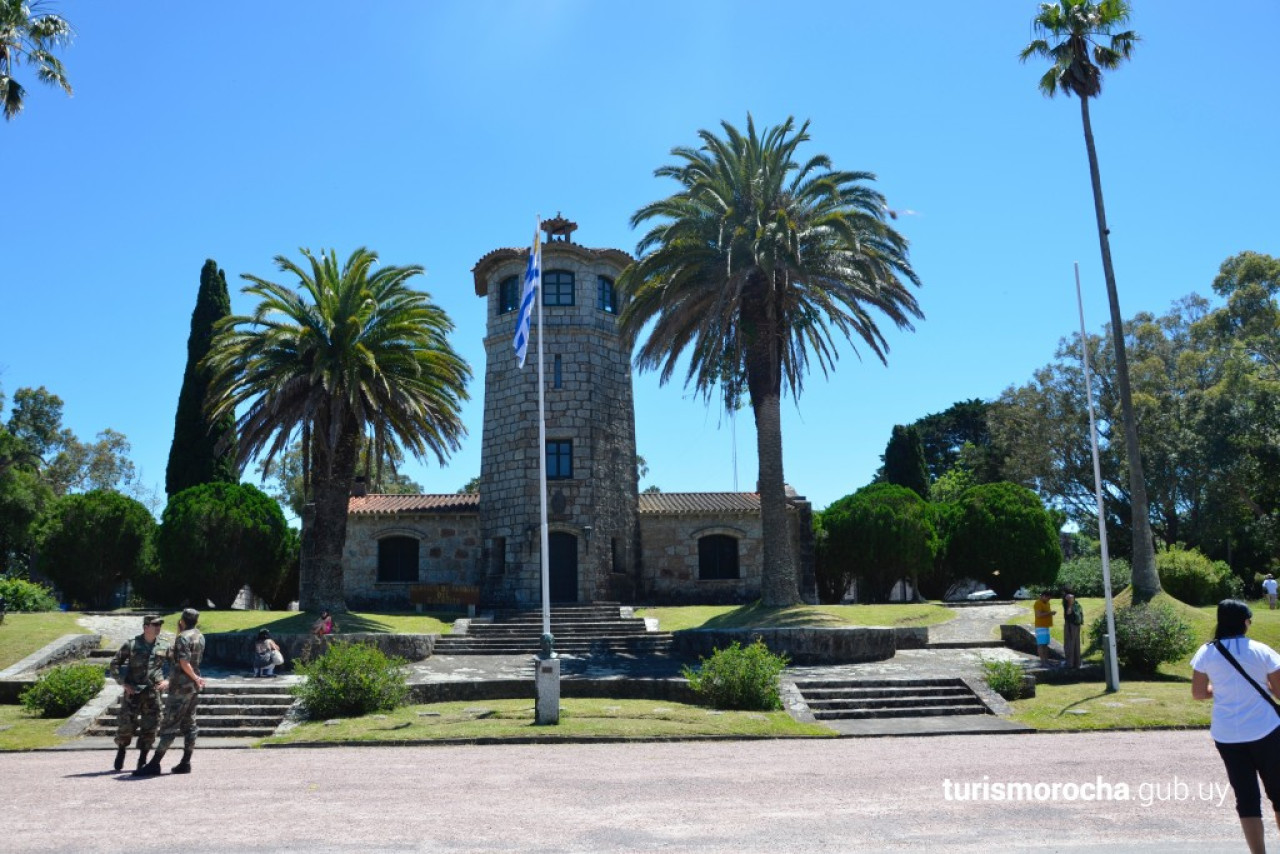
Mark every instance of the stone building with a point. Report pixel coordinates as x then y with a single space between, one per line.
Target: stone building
606 542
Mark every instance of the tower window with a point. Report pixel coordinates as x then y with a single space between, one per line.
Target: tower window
508 295
717 557
559 459
607 295
398 560
557 374
557 288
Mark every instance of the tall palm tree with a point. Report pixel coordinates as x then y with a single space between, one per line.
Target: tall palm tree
1077 59
753 266
352 355
28 34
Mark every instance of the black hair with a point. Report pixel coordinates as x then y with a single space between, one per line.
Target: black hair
1232 614
263 634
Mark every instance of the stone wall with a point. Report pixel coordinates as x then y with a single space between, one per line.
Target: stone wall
235 649
669 558
800 645
449 552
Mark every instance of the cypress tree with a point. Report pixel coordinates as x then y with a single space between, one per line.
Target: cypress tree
194 457
904 461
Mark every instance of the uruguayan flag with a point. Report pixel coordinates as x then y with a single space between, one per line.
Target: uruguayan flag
532 284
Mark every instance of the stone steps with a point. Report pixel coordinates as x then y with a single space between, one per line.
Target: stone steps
889 698
598 629
226 710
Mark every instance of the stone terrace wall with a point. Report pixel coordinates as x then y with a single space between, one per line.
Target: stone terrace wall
669 558
449 552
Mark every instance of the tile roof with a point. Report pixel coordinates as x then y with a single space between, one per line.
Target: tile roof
372 505
699 502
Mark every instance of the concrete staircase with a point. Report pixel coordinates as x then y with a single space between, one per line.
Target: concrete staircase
597 629
228 709
863 699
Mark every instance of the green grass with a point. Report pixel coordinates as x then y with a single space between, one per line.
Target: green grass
22 730
755 615
23 634
579 718
299 623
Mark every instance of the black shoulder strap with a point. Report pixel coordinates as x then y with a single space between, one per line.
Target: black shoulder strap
1232 659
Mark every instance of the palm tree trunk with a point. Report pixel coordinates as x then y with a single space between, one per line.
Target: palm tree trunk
1146 581
778 573
321 587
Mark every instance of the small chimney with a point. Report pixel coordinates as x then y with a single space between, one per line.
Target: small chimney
359 489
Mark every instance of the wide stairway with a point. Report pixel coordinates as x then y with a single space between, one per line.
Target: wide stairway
597 629
831 700
228 709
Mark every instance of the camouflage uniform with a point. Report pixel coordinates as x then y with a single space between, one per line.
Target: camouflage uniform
184 694
140 664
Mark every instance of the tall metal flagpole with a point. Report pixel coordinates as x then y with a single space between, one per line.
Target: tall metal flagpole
1112 670
548 642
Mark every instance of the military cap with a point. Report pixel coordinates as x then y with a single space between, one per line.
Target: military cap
190 616
153 620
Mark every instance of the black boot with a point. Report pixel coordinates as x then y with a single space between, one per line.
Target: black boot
142 759
119 763
152 768
183 767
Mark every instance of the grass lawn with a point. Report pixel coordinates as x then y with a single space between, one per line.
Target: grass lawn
674 619
299 623
21 730
23 634
579 718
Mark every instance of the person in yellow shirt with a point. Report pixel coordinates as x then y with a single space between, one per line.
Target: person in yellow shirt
1044 621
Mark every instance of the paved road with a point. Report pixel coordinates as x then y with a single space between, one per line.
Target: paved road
763 796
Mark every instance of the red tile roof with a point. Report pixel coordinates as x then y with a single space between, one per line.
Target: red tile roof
372 505
699 502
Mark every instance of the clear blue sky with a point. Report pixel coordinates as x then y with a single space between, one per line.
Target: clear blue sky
435 132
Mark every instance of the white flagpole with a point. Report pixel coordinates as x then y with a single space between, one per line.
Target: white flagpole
1113 670
542 474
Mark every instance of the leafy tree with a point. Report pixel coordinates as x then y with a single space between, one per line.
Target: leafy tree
1077 60
353 354
23 496
28 34
904 461
91 543
471 487
36 420
960 430
218 537
758 264
287 475
203 451
880 534
1000 534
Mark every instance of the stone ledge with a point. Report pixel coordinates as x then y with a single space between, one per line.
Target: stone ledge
805 645
235 649
1023 639
65 648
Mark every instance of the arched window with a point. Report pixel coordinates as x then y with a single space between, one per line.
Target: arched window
717 557
398 560
508 295
557 287
606 295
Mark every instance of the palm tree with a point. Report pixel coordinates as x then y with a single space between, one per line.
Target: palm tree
27 34
755 263
353 355
1077 57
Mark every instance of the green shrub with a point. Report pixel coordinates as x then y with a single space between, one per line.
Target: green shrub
63 690
1004 677
349 680
1001 535
1083 576
1189 576
22 595
739 677
1147 636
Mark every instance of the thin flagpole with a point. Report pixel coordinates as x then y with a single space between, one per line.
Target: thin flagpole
1113 671
542 472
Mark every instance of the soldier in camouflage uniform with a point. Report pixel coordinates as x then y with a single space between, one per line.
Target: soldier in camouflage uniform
139 667
185 685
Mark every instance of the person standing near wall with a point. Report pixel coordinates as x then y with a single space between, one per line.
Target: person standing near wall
185 684
139 668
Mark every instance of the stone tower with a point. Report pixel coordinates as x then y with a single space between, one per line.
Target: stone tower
590 429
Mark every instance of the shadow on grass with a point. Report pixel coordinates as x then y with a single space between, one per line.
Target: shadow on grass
758 616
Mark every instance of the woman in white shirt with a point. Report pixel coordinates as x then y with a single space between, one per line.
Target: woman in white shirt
1246 723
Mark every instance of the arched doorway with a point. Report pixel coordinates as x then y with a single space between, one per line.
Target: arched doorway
563 566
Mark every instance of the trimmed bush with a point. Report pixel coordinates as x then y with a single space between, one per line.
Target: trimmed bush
1004 677
63 690
22 595
1147 636
1189 576
739 677
878 535
1000 534
349 680
1083 576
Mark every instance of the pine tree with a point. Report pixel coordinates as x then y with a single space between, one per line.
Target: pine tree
904 461
195 456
